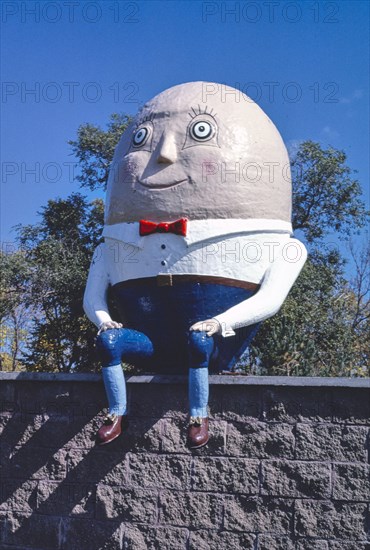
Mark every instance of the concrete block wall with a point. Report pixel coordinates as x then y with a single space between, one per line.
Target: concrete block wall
287 466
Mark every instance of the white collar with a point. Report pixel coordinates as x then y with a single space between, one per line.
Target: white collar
200 230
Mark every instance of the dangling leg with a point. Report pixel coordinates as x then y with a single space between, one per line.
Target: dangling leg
114 344
115 388
201 347
198 391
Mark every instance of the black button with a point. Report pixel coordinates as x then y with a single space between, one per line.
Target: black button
163 246
163 262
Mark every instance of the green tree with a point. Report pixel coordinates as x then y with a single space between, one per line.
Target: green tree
316 333
58 252
325 195
94 149
15 311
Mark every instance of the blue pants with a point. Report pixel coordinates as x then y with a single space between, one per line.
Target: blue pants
161 317
159 340
130 345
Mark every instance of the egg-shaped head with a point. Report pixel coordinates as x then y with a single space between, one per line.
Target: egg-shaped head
199 150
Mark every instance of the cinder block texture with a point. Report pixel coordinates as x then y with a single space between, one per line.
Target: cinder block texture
287 468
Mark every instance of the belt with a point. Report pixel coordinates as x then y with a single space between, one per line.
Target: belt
168 279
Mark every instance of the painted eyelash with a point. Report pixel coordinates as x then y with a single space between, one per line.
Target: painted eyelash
201 112
147 118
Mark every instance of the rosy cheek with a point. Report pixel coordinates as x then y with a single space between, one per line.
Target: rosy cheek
130 164
123 172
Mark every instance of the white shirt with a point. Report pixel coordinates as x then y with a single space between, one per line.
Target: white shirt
256 251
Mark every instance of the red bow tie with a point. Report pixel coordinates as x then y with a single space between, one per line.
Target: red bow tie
178 227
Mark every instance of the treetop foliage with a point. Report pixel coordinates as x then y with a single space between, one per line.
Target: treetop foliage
325 195
94 149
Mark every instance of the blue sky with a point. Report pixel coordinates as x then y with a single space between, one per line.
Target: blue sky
305 63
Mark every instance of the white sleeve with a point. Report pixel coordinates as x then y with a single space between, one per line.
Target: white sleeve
276 284
95 297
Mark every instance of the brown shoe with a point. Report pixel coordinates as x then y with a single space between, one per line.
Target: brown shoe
197 432
111 429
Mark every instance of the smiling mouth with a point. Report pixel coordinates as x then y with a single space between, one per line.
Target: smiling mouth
158 186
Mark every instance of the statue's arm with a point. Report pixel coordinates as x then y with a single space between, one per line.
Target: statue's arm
95 297
276 284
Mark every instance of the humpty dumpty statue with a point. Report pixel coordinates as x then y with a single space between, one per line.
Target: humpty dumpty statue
198 246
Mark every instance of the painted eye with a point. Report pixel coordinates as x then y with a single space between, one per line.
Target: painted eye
140 137
201 130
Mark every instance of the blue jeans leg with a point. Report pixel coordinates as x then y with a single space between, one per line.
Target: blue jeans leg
201 347
115 387
114 345
198 392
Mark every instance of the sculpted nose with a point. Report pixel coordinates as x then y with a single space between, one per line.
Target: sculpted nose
167 150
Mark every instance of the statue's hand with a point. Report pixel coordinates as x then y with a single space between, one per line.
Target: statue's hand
210 327
107 325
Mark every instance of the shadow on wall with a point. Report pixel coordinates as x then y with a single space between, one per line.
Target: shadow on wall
286 466
51 468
